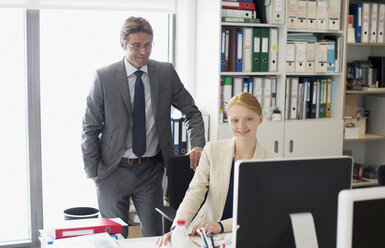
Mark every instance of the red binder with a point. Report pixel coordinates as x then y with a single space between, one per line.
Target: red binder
72 228
238 5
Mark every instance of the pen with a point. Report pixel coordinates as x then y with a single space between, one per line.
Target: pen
204 240
204 233
212 239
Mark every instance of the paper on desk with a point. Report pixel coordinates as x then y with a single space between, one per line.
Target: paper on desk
100 240
219 239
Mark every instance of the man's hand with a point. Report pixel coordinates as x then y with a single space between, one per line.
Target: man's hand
195 155
95 179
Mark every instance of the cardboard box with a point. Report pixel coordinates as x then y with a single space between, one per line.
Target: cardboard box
354 127
351 105
134 231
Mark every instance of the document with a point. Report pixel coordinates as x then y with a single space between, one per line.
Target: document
294 98
329 97
223 49
237 85
258 88
238 5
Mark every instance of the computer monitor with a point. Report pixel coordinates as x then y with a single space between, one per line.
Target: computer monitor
266 192
361 218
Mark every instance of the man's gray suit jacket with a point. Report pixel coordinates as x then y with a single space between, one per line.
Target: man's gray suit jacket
108 116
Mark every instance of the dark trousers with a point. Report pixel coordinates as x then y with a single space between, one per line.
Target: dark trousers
143 183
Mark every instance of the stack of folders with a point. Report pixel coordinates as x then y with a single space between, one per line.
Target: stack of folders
242 11
368 22
249 49
67 231
306 54
314 14
263 88
307 97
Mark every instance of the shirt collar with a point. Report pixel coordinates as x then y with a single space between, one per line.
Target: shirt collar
130 69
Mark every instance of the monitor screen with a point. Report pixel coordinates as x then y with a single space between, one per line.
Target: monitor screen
361 218
266 192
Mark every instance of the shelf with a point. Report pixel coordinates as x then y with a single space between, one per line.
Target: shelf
314 74
365 182
367 137
352 92
234 73
366 44
315 31
240 24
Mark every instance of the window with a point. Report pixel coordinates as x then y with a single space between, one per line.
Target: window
14 176
74 43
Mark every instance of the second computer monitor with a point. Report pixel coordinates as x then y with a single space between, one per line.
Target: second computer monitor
266 192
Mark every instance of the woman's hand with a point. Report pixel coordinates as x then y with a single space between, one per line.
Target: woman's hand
162 241
209 227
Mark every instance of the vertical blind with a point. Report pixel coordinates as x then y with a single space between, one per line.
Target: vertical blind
133 5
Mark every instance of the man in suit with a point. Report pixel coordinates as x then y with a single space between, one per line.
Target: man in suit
126 136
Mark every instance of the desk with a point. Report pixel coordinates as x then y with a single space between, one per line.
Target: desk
194 242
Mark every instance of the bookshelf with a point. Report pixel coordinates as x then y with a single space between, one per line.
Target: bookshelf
367 149
290 138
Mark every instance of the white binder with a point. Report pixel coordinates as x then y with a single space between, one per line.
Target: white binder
322 22
273 51
321 55
301 14
247 49
300 56
334 14
310 57
373 23
365 22
290 57
381 23
292 13
311 18
293 98
258 89
275 11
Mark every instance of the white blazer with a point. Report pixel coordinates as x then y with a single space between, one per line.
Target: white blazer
213 176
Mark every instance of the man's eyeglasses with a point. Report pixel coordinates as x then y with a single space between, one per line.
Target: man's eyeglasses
138 46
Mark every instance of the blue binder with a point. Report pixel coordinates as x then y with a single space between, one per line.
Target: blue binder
356 10
239 52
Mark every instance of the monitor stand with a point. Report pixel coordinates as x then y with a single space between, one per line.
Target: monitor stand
304 230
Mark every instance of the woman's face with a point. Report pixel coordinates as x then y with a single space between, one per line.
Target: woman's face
243 122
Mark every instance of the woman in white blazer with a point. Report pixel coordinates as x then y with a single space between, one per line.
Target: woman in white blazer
214 174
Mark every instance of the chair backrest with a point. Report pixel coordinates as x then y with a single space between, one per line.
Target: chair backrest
179 175
381 175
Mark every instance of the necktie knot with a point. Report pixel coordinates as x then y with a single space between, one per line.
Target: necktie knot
138 73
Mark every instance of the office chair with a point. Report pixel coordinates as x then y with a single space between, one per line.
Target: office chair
179 175
381 175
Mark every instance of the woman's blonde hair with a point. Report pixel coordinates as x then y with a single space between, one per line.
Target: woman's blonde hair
247 100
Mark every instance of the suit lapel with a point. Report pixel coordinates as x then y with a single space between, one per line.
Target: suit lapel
226 161
154 86
122 81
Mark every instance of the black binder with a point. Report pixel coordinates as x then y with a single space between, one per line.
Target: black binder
379 64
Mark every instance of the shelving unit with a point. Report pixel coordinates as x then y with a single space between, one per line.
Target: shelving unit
290 138
368 149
